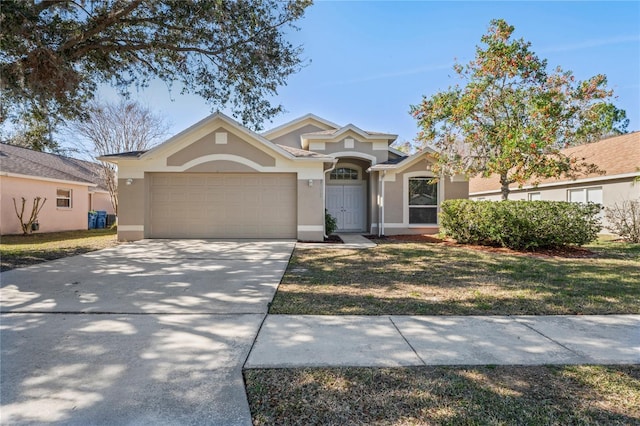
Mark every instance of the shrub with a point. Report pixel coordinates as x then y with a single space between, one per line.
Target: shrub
624 220
330 223
521 225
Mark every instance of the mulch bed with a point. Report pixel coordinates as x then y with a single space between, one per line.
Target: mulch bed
566 252
331 239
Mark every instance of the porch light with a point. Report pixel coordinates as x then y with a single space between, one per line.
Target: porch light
310 182
129 181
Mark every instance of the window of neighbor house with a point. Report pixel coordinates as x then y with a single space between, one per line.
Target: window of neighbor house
343 173
423 201
63 198
585 195
535 196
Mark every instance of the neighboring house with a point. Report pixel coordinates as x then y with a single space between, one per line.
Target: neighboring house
71 187
218 179
618 157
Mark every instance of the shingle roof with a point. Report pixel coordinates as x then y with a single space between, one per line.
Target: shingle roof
303 153
615 155
125 154
323 132
334 131
23 161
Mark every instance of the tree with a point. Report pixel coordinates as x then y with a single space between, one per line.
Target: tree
33 131
111 128
27 224
232 53
513 116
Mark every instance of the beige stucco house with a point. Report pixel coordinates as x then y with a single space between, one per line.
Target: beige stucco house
618 157
218 179
71 186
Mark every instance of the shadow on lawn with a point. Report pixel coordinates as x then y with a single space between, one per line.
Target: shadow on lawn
446 395
437 280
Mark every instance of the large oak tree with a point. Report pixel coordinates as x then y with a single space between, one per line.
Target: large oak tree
55 53
513 116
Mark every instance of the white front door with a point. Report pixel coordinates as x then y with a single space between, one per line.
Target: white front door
345 203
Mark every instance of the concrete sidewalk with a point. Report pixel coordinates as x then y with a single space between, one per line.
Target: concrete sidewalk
391 341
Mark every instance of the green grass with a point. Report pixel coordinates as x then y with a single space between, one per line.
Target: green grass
17 251
441 279
542 395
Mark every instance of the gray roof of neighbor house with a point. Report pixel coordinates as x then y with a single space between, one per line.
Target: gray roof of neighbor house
24 161
124 154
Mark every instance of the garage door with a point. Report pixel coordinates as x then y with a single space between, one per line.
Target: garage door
223 205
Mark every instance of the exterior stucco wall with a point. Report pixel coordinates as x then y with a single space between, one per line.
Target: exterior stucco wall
132 201
207 146
101 201
359 147
51 218
613 191
292 138
220 166
455 190
396 211
310 210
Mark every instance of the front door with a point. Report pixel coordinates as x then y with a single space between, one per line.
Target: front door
345 203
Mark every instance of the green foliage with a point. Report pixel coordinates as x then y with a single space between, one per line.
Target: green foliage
521 225
330 223
513 116
624 220
232 53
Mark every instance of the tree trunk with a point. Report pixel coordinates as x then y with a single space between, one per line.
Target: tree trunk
504 186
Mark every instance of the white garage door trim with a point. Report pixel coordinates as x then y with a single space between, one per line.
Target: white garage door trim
222 205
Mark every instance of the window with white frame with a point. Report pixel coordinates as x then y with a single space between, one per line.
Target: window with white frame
585 195
423 201
63 198
535 196
344 173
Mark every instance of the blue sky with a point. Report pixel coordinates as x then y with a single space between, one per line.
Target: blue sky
367 61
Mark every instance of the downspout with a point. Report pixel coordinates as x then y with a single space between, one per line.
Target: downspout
324 194
381 227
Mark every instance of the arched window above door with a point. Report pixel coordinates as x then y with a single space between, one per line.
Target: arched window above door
344 173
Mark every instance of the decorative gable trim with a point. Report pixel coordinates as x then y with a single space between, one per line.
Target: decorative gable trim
297 123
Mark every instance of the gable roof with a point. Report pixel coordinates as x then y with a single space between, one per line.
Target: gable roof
297 122
401 163
389 137
27 162
201 126
617 155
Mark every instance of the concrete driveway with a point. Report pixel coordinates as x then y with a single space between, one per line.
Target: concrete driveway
152 332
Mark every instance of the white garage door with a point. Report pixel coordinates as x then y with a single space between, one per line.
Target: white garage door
223 205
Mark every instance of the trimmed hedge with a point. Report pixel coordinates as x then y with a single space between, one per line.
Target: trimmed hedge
521 225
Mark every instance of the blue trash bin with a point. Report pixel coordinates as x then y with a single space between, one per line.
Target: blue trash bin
101 221
93 217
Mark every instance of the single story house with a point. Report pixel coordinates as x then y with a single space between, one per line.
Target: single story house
219 179
71 186
618 157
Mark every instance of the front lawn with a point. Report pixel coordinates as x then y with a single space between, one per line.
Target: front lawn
17 251
542 395
409 278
